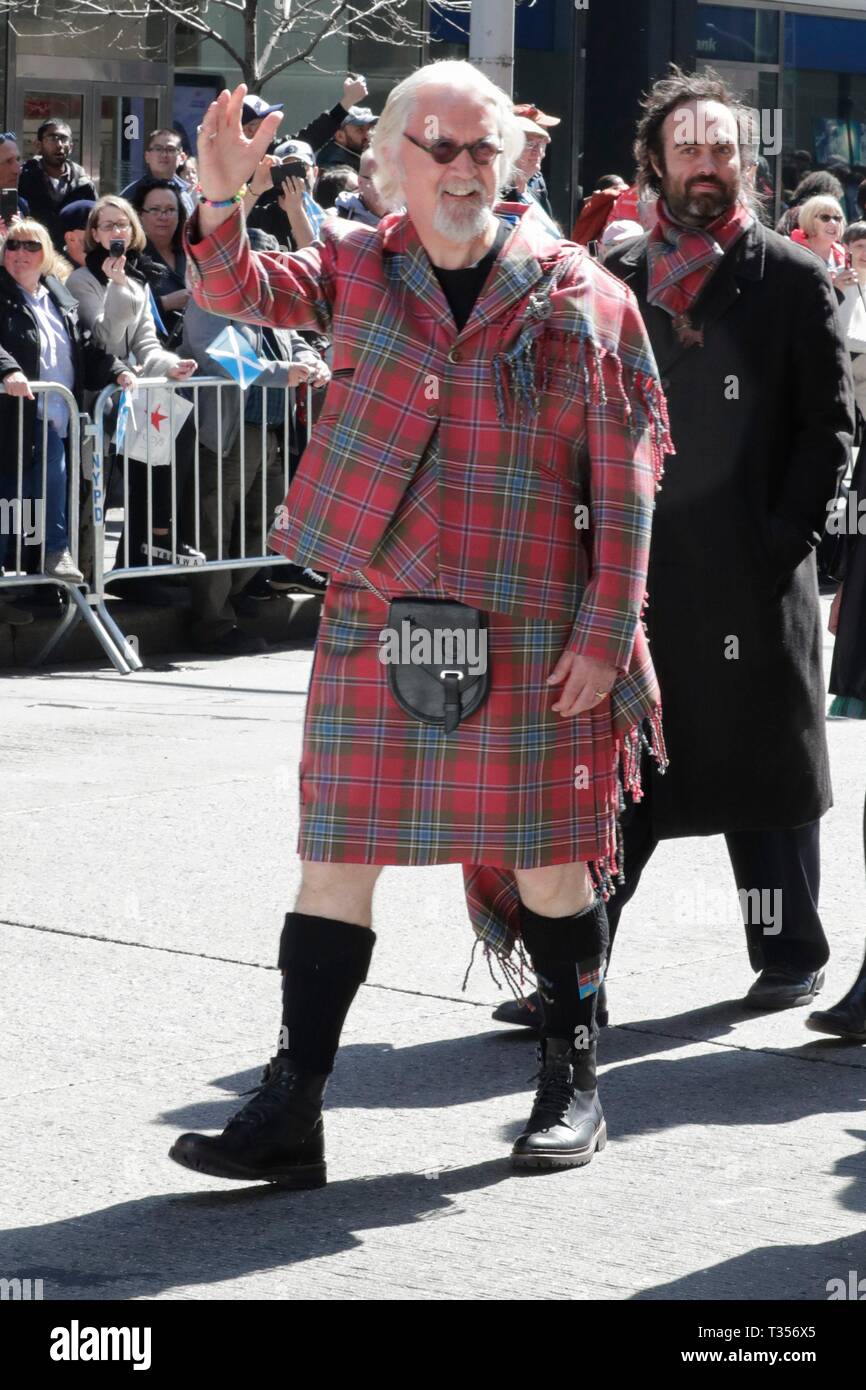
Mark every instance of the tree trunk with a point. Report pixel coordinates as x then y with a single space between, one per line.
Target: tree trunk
251 46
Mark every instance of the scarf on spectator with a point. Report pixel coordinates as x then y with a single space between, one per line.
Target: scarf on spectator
682 259
95 259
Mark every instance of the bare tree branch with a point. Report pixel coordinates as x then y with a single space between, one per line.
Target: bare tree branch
298 25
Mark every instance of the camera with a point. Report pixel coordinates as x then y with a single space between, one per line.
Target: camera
117 247
292 169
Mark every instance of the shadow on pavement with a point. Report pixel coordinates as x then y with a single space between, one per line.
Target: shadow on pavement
140 1249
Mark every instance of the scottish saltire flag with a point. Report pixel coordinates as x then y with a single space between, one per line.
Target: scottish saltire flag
234 353
314 212
157 317
125 416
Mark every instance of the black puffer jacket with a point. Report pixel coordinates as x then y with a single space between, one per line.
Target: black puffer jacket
19 352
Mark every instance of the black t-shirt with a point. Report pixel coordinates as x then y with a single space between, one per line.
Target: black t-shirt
462 287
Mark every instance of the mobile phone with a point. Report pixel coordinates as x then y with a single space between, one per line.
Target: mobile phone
594 249
117 247
9 205
292 169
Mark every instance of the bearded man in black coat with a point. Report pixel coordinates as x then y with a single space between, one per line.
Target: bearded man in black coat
744 328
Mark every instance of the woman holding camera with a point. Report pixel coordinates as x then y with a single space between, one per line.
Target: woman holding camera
115 304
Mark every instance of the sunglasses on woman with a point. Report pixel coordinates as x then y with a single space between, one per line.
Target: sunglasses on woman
13 244
482 151
829 217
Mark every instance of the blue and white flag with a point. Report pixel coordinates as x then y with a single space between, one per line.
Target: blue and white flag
157 317
125 415
234 353
314 212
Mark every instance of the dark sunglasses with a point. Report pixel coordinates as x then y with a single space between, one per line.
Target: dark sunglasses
482 151
13 244
830 217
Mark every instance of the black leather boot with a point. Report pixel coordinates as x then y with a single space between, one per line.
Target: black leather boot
567 1124
847 1019
277 1137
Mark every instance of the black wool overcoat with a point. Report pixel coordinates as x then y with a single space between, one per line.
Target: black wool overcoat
761 419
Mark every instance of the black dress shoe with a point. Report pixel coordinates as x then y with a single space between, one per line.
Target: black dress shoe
847 1019
567 1124
526 1013
277 1137
784 987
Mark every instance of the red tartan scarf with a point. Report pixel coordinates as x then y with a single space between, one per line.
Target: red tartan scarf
682 259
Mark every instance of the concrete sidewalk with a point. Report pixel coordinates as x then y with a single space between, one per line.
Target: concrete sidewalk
148 828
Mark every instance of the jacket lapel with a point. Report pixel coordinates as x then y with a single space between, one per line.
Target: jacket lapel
515 271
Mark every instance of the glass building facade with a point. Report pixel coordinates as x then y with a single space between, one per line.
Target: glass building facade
804 67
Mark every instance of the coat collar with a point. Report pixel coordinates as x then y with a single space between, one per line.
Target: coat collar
522 261
63 298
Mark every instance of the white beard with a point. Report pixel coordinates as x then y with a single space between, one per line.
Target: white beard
460 224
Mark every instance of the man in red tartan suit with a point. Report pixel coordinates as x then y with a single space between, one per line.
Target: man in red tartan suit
492 435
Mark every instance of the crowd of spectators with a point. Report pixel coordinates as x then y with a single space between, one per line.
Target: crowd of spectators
100 293
93 291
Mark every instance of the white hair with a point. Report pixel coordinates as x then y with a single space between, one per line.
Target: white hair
387 142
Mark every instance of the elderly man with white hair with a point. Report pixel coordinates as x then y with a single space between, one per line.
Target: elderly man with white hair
480 487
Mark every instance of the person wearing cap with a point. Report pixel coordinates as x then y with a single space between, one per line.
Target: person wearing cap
254 111
349 142
536 125
163 154
617 233
322 127
280 211
73 219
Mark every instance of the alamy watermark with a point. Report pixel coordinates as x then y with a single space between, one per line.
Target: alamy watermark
446 647
754 125
23 518
20 1290
705 906
853 1288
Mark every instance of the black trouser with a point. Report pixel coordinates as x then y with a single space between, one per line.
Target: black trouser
164 504
779 870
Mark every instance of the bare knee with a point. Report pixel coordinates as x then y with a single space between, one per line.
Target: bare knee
341 891
557 890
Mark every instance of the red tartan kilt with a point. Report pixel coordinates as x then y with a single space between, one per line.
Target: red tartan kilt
378 787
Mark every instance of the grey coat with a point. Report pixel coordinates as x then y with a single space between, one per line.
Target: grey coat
120 319
761 419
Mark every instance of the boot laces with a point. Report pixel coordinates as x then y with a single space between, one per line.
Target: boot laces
269 1097
555 1091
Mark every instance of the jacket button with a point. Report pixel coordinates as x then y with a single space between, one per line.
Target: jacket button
432 411
455 355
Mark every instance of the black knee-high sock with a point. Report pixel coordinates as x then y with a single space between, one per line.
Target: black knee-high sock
568 957
324 962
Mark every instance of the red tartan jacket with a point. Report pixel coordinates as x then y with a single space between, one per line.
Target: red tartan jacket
550 418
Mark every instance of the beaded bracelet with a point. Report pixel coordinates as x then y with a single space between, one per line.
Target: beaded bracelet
222 202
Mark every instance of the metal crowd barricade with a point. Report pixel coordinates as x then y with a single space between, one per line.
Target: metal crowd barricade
185 491
24 512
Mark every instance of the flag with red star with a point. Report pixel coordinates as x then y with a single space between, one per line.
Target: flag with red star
154 417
